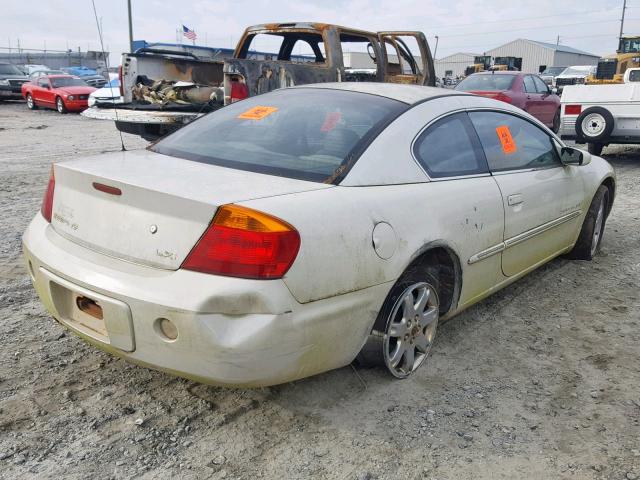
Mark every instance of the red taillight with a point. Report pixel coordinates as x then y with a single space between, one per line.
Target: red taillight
572 109
503 97
241 242
47 201
120 80
239 91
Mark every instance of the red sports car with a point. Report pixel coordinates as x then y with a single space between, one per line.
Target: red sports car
524 90
65 93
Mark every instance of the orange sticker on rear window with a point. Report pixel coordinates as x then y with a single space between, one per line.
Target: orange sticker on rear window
506 140
257 113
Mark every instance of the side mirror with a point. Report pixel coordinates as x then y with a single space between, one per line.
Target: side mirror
574 156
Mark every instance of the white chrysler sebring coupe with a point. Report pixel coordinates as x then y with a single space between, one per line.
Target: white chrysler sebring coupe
293 232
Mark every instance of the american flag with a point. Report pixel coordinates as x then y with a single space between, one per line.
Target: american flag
190 34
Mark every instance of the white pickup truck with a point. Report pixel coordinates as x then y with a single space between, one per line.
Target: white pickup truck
600 115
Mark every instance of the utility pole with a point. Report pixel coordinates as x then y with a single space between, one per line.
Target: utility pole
624 7
558 40
435 50
130 27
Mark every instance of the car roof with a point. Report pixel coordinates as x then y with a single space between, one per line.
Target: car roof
409 94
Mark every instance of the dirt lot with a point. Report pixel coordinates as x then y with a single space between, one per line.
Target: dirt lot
540 381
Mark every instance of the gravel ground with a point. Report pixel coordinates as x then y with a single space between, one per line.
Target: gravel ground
542 380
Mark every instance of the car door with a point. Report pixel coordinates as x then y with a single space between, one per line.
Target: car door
37 92
548 106
45 93
542 198
450 153
532 97
406 58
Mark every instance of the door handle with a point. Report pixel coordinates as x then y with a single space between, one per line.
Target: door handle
515 199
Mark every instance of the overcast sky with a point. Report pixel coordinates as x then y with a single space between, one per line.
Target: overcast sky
462 25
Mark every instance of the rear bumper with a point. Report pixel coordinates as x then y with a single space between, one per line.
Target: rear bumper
230 331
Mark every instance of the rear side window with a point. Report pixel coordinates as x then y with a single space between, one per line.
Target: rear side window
307 133
450 148
512 143
297 47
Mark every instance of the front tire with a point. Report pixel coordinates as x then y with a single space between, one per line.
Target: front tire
60 106
590 237
406 325
31 104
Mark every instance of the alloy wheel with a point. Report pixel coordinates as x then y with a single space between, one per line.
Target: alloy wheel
411 329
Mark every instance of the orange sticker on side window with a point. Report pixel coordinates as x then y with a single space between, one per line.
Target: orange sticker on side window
257 113
506 140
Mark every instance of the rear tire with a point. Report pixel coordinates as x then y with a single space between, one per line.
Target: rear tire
590 237
60 105
31 104
406 325
595 148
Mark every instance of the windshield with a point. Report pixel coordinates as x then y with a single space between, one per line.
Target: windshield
67 82
578 71
8 69
114 83
491 82
306 133
629 45
554 70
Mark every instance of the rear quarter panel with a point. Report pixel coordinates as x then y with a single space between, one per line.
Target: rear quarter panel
336 228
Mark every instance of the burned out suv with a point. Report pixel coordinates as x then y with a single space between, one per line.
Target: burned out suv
11 80
164 89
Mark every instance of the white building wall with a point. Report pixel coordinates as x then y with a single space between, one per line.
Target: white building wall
566 59
457 63
532 54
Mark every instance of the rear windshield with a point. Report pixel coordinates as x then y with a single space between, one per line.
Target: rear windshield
306 133
487 83
67 82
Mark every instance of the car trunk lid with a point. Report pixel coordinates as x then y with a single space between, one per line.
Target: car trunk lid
150 208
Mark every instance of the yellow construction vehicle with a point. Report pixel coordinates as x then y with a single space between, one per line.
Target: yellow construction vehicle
611 68
481 63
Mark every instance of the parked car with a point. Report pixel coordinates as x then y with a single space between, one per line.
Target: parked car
550 74
576 75
165 88
273 239
11 80
89 75
65 93
80 71
39 73
29 68
107 95
600 115
524 90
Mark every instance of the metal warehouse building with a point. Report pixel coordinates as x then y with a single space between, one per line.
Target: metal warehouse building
453 65
536 56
